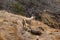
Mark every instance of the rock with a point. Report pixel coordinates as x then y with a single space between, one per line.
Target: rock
14 27
47 11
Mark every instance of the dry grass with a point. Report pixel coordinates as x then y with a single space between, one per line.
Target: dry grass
47 19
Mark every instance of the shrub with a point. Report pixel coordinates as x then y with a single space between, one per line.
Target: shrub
18 8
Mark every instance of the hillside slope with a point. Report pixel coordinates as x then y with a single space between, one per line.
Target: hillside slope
14 27
47 11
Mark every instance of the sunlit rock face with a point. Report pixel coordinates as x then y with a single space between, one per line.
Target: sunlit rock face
45 26
14 27
36 8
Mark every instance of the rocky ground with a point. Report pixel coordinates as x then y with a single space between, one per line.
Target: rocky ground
17 27
16 24
47 11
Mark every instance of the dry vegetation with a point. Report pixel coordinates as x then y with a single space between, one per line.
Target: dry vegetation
15 26
12 28
50 20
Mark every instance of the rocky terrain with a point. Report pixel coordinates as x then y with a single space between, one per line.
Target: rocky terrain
29 19
17 27
47 11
